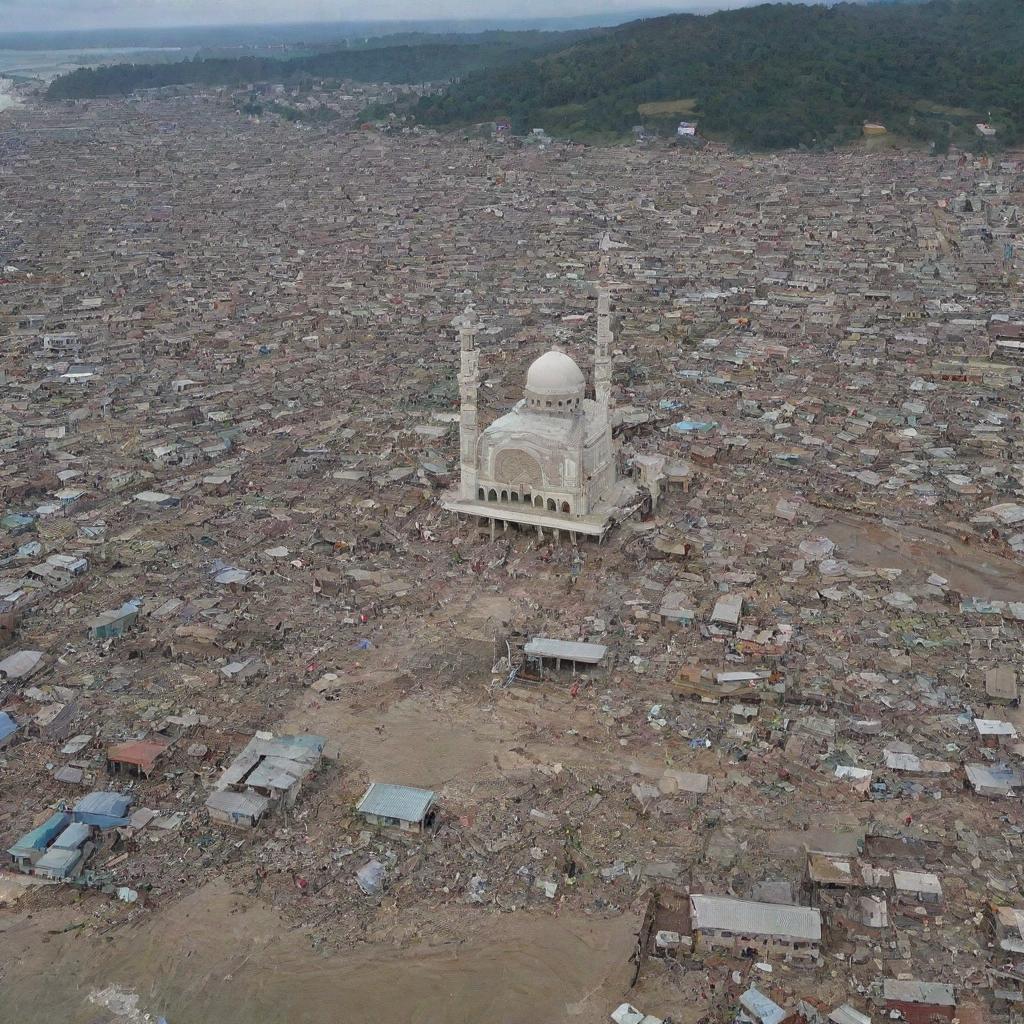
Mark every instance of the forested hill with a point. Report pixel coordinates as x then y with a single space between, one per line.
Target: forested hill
427 59
771 76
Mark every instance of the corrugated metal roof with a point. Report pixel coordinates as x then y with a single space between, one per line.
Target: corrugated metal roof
385 800
542 646
114 805
249 805
750 918
72 837
58 861
19 664
763 1009
40 837
143 753
999 777
916 881
931 993
846 1014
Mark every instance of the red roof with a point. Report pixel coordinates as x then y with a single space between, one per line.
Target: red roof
142 753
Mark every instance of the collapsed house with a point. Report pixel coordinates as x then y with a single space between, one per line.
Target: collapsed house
266 775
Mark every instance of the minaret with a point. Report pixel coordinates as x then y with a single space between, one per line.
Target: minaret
602 349
469 383
602 353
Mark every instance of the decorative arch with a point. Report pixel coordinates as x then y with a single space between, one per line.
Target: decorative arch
552 507
492 495
518 469
565 507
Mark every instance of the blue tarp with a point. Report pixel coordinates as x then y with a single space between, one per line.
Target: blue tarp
693 426
104 810
7 726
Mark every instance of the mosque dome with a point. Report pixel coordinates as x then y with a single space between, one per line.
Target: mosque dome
554 381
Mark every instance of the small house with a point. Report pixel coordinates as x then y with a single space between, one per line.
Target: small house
760 1009
401 807
113 623
137 756
31 846
677 609
1008 926
994 732
1001 686
542 652
268 773
919 1002
846 1014
67 854
156 500
917 889
103 810
993 780
239 810
765 929
727 611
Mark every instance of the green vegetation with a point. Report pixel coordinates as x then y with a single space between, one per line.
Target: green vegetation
766 77
400 64
770 77
662 107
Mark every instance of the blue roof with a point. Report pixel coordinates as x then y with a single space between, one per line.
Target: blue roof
41 837
7 725
105 810
688 426
763 1008
114 804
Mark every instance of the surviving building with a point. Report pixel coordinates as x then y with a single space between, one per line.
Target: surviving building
719 922
549 463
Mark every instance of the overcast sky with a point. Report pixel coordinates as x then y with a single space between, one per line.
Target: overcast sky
34 15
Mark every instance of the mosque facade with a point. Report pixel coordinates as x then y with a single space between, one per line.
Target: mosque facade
550 462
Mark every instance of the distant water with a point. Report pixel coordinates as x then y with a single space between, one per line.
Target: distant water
47 64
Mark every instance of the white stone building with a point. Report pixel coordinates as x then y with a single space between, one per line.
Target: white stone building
550 463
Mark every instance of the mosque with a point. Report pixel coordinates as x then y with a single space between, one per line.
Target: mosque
550 463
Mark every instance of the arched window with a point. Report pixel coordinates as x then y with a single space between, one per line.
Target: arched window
538 501
504 495
565 507
515 496
552 507
480 493
492 495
